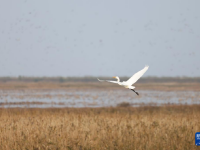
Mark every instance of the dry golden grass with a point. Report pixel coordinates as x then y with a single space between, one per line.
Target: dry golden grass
151 128
97 85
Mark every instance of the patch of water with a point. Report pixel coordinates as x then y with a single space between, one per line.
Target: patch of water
93 98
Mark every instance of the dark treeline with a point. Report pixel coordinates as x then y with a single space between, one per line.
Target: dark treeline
94 79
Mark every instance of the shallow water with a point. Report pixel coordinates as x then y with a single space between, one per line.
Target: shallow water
94 98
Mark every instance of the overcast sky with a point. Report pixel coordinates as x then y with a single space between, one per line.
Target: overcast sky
99 37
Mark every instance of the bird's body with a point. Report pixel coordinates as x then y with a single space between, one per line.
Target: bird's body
128 84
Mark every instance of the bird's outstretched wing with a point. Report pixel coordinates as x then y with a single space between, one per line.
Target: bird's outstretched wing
136 76
107 81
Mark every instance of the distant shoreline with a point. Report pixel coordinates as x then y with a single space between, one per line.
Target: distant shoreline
94 79
162 86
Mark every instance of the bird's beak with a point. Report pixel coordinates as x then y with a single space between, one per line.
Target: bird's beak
114 77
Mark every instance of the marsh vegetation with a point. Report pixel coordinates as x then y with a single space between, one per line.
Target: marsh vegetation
121 126
171 127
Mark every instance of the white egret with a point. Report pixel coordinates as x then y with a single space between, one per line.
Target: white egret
128 84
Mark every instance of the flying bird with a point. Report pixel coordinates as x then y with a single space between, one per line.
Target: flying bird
128 84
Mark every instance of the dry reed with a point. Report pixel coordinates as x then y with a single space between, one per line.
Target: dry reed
151 128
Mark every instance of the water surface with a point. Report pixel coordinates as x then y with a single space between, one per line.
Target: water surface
94 98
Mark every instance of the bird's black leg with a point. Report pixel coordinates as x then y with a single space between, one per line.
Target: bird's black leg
135 91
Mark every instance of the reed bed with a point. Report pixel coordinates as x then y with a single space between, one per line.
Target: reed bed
168 86
149 128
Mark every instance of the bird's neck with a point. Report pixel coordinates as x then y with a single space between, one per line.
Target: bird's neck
118 80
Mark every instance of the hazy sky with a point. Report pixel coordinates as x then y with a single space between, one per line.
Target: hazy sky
99 37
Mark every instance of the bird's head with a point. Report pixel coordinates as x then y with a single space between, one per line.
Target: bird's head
116 77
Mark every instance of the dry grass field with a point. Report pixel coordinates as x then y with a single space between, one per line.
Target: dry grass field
148 128
168 86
